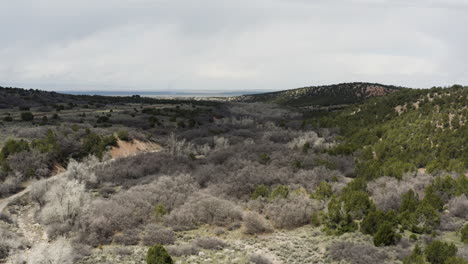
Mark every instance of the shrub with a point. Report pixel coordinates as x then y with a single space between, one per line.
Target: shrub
374 219
127 238
357 204
416 257
315 219
27 116
123 135
59 251
210 243
438 252
260 191
259 259
323 191
280 191
155 234
254 223
386 235
157 254
292 212
182 250
356 253
203 209
338 220
409 201
458 207
464 234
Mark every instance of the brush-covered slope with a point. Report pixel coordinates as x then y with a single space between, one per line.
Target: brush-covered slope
337 94
406 130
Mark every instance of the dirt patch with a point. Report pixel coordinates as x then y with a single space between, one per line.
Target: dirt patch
130 148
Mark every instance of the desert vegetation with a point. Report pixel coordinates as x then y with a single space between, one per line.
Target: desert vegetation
234 182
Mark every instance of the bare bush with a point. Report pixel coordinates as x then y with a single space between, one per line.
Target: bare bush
259 259
254 223
182 250
292 212
127 238
32 164
356 253
458 207
66 200
8 242
38 191
59 251
212 243
386 191
155 234
203 209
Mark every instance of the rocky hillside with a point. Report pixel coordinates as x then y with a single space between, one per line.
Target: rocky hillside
337 94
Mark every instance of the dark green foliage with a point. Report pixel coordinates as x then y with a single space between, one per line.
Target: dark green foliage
409 201
96 145
260 191
391 143
386 235
416 257
338 221
280 191
438 252
8 118
425 219
323 191
123 135
464 234
371 223
357 204
455 260
315 219
264 158
157 254
27 116
11 147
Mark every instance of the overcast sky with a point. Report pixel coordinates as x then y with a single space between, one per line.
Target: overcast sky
231 45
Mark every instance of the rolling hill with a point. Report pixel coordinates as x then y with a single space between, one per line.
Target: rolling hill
337 94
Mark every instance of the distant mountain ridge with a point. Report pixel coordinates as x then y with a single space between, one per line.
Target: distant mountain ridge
325 95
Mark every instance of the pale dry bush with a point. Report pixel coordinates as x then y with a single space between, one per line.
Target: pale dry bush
291 212
307 137
458 207
182 250
259 259
386 191
11 184
310 179
134 207
356 253
237 122
27 162
83 171
255 223
156 234
9 241
65 201
58 252
203 209
212 243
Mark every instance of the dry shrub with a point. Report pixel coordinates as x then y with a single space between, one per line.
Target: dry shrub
458 207
210 243
127 238
155 234
254 223
292 212
182 250
203 209
259 259
356 253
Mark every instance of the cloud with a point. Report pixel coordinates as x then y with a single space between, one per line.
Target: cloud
218 44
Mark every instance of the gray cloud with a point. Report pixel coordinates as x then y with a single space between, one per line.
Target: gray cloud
218 44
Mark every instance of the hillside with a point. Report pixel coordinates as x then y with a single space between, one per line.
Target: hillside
26 98
405 131
337 94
